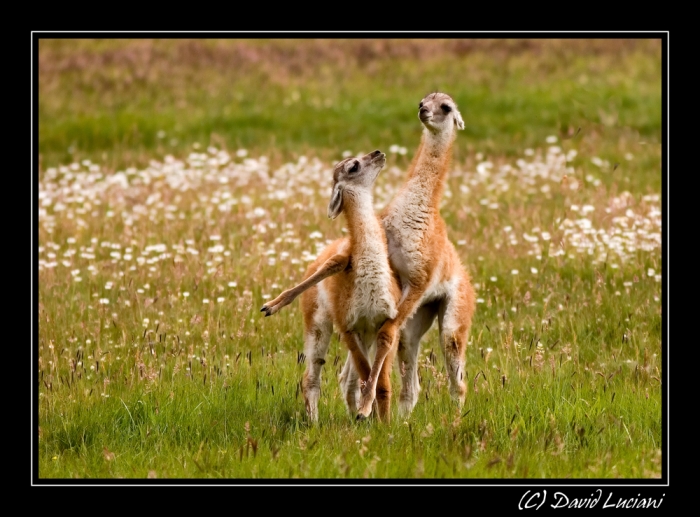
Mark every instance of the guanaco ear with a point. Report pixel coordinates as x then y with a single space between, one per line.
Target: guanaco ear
458 119
336 204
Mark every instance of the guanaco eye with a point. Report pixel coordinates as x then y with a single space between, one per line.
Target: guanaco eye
446 108
355 167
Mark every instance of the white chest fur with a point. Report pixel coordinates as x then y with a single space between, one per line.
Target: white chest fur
372 298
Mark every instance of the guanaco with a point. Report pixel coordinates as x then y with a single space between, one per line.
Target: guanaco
351 285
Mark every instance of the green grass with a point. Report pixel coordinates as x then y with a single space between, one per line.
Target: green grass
137 379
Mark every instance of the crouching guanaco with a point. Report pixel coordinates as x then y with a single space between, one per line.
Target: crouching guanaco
350 285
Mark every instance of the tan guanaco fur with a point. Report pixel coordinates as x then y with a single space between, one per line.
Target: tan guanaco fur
350 285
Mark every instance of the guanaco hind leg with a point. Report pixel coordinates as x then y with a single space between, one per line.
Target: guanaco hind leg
454 320
409 346
350 385
317 336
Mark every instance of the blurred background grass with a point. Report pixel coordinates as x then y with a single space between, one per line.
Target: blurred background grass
124 102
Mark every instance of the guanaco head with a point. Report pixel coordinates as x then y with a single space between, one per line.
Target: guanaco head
438 112
352 176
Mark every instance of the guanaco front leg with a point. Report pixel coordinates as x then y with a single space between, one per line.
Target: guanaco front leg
351 378
333 265
387 340
383 395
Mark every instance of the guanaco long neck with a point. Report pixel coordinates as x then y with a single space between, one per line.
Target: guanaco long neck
366 234
428 171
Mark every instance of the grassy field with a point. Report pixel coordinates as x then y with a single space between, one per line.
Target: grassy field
181 183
